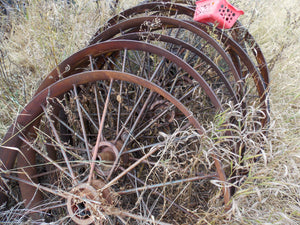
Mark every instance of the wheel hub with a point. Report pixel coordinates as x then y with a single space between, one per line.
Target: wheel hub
87 202
107 154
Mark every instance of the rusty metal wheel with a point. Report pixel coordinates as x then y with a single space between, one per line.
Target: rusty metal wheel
175 28
150 62
256 76
251 84
236 42
205 95
126 151
185 11
239 69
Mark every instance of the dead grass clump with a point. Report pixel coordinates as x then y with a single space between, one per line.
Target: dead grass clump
270 194
35 40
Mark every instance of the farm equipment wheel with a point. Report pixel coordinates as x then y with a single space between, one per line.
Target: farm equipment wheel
239 69
184 10
126 152
152 63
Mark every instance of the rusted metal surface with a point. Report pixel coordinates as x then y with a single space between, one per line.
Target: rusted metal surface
135 24
82 212
96 121
81 60
239 32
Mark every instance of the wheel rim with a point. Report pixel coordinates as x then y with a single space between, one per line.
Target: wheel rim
242 72
77 186
256 88
240 34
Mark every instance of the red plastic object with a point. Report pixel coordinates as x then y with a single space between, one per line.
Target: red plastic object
218 12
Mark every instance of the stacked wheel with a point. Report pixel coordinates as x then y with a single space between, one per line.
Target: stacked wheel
114 134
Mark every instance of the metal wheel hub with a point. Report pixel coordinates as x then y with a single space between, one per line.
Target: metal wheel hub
81 203
107 153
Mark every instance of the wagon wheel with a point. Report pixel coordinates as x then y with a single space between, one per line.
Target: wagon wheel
112 166
252 93
181 11
255 92
171 73
256 87
197 37
150 62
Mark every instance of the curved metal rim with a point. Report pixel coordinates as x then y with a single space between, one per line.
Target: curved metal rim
189 11
256 75
111 46
145 7
198 29
168 39
137 22
175 23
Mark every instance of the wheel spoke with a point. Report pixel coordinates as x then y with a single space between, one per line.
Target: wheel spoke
70 129
61 146
47 207
142 148
162 196
136 122
175 199
137 103
147 187
101 126
89 117
97 105
81 122
120 93
150 123
45 156
39 186
113 181
143 207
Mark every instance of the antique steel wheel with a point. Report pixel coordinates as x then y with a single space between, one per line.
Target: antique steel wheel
159 66
237 42
251 84
126 151
185 12
175 28
152 63
238 68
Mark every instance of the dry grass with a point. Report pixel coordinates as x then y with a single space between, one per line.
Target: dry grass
271 193
49 32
